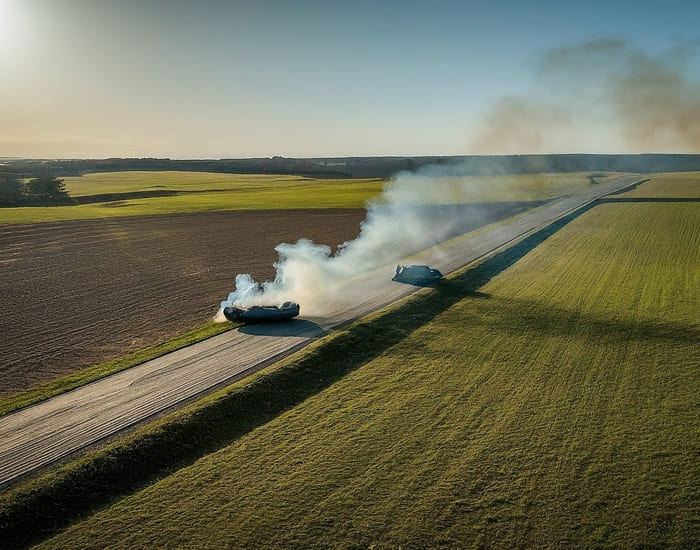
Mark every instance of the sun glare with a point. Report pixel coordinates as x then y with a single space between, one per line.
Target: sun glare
9 23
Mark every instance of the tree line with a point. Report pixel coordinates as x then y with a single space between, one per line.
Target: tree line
372 167
41 190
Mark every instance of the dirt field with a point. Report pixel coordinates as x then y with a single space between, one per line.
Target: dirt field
78 293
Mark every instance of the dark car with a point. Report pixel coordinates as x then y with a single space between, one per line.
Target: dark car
262 314
416 274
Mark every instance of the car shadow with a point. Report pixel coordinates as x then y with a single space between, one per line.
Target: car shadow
288 329
417 283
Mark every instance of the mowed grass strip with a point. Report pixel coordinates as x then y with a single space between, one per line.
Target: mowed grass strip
556 409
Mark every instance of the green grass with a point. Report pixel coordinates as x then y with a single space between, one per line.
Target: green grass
198 192
555 408
85 376
530 185
674 184
132 181
206 192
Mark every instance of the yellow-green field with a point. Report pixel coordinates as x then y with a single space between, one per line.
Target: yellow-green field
528 186
672 185
197 192
131 181
205 192
556 408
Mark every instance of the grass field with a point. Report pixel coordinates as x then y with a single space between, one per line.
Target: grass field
196 192
557 407
670 186
532 186
205 192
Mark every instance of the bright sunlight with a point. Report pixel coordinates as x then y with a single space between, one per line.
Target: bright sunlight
11 22
6 25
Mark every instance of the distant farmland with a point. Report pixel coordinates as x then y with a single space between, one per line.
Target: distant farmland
121 194
554 407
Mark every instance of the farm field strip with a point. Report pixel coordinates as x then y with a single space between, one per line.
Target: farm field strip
130 181
555 408
494 187
676 186
194 192
31 429
202 192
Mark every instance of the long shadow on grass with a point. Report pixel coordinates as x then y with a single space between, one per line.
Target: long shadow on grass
41 507
549 321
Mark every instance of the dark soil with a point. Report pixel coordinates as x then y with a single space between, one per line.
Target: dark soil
77 293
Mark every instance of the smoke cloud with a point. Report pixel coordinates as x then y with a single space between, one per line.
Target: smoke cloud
601 96
594 97
416 210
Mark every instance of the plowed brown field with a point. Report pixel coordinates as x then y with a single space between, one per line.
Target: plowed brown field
77 293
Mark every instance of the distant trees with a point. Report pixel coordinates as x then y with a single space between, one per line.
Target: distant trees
12 190
47 189
44 189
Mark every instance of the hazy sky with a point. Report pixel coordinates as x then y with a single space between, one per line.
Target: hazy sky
215 79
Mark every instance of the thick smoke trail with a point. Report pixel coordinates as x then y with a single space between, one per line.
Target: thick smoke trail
601 96
415 211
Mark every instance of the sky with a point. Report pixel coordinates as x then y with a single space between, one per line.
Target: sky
236 79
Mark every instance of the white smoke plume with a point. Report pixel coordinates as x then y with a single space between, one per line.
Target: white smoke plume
602 95
415 211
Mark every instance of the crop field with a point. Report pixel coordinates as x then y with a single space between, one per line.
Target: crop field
119 194
527 186
555 406
671 186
